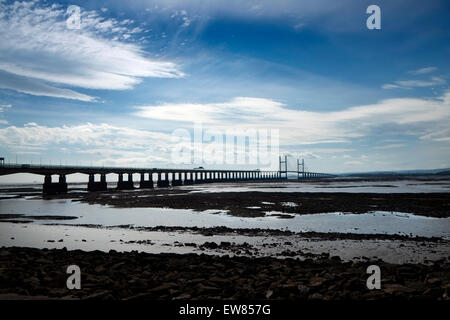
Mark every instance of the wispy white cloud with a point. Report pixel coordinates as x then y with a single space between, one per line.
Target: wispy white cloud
111 144
413 115
4 106
414 83
38 88
423 70
390 146
390 86
37 44
417 83
421 83
90 135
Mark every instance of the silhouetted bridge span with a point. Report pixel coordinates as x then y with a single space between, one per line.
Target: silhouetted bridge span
148 176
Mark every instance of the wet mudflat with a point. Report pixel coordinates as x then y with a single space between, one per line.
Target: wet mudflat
254 204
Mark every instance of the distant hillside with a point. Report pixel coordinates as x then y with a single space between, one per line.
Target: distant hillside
445 171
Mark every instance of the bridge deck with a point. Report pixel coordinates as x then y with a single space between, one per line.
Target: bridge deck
63 169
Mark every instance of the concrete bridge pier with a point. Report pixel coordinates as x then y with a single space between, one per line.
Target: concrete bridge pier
196 177
97 185
176 180
50 187
163 183
146 184
188 178
199 177
125 185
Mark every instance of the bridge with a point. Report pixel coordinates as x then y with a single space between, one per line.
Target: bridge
164 177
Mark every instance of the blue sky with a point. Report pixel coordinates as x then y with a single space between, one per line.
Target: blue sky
342 96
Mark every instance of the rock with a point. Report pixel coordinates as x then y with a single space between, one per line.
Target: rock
183 296
336 258
396 289
32 282
434 293
317 281
225 244
218 280
202 288
190 244
99 269
302 290
434 281
210 245
163 287
269 293
103 295
315 296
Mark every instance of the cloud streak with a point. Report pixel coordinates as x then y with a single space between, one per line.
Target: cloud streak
417 83
37 45
423 70
419 117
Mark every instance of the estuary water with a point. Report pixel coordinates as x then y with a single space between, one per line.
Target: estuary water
30 221
40 211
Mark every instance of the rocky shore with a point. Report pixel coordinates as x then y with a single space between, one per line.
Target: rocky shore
27 273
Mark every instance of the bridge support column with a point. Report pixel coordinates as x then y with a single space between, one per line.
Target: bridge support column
163 183
50 187
146 184
188 178
176 181
125 185
97 185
